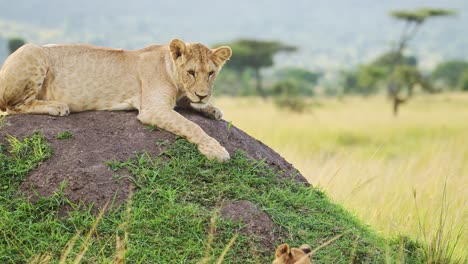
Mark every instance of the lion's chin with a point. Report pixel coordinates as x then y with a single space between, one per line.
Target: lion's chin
199 105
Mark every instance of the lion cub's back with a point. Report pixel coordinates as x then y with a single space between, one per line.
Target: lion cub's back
92 78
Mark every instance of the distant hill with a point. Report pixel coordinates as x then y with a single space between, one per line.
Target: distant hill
331 34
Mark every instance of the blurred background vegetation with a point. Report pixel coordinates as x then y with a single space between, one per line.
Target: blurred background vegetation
305 48
331 76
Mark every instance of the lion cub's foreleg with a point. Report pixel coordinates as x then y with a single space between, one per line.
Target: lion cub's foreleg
42 108
170 120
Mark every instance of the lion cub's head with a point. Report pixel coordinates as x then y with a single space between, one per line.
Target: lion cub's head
286 255
196 68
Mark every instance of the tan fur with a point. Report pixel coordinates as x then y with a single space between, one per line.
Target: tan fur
59 79
286 255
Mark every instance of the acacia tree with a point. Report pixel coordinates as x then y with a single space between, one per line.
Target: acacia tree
366 79
413 19
255 54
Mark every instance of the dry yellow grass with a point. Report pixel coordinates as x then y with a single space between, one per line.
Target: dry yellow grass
374 164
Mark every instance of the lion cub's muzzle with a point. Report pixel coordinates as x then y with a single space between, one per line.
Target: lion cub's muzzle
201 97
197 98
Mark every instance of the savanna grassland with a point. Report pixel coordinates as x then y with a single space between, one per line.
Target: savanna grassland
402 175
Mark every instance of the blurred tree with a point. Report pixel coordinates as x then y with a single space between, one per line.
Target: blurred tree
287 87
3 49
413 20
255 54
349 79
450 72
230 82
287 94
298 74
304 80
294 85
463 81
14 44
369 77
405 78
386 60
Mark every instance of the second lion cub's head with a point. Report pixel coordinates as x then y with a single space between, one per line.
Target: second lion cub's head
197 67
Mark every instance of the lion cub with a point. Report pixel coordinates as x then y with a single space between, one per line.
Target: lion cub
286 255
59 79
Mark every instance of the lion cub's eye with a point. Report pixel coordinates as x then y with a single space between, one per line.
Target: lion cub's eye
210 73
191 72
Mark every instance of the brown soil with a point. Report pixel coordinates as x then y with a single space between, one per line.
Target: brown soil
256 222
103 136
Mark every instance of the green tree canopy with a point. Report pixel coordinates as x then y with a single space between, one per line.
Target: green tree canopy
289 94
419 15
450 72
300 74
386 60
303 80
15 43
369 77
463 82
255 54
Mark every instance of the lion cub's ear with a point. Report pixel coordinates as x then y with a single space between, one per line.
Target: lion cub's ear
306 248
177 48
223 53
282 250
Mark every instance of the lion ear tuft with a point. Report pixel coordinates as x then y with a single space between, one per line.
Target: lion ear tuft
223 53
283 250
178 48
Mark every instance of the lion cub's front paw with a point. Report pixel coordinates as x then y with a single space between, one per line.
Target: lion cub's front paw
213 112
217 113
214 151
58 109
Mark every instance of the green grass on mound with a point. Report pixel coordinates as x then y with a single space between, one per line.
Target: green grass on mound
169 217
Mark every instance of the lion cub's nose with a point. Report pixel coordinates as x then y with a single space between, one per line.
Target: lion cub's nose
201 96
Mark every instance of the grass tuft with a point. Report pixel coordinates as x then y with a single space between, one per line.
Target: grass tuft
152 128
64 135
441 242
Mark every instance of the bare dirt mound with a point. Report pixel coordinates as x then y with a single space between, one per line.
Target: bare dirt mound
104 136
